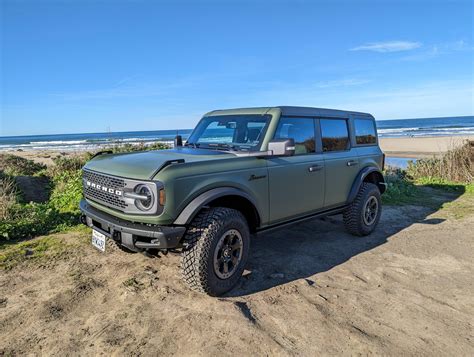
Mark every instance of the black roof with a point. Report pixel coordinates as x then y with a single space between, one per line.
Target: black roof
309 111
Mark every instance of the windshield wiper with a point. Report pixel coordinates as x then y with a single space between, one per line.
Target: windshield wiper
222 146
193 145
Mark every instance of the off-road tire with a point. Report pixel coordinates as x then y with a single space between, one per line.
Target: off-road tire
200 242
354 214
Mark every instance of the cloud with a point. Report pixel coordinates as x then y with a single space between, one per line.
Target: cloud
438 50
412 100
388 46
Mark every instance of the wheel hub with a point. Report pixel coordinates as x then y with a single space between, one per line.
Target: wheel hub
371 209
228 254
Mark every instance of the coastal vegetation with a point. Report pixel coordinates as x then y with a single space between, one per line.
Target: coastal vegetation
23 219
20 219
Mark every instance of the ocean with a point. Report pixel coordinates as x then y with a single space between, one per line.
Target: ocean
90 141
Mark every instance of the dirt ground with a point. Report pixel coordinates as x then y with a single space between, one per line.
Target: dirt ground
408 289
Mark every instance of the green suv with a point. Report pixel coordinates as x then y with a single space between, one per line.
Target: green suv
240 172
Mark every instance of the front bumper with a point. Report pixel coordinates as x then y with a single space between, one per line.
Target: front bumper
133 236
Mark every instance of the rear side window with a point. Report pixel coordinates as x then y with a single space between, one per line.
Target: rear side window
365 131
334 134
299 129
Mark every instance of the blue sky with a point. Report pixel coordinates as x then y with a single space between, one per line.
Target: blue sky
93 66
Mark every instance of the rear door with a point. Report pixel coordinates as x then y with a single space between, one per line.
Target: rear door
296 183
340 160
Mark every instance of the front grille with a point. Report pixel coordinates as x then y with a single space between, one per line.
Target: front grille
113 183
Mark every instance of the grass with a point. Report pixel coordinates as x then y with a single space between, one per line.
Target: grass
452 173
13 165
456 165
19 220
40 249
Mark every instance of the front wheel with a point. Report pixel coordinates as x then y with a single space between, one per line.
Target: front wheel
363 214
216 250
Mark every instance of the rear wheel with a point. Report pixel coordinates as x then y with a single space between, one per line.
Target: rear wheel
216 250
363 214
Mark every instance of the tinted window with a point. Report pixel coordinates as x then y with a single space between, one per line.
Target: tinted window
299 129
335 135
364 131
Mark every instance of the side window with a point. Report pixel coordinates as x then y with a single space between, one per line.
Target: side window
364 131
299 129
334 134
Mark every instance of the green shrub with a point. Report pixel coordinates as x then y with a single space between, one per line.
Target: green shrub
8 195
22 221
34 219
456 165
400 190
67 191
17 166
123 148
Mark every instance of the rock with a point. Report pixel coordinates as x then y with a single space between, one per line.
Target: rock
3 302
29 252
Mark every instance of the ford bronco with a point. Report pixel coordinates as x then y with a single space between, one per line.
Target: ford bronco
240 172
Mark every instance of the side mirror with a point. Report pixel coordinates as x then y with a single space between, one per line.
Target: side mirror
178 141
282 147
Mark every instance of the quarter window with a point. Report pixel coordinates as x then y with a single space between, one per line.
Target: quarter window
364 131
334 134
299 129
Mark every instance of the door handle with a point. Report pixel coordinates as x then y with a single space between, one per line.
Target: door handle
314 168
352 163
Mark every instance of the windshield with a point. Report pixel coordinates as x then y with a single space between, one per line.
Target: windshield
230 132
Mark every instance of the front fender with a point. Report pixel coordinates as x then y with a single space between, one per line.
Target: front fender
193 207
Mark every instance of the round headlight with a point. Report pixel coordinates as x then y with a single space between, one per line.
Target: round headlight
145 203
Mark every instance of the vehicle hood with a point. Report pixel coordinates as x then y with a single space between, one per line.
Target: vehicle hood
144 165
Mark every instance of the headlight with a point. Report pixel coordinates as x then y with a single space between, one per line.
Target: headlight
144 199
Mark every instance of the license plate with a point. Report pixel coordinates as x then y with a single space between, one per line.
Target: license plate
98 240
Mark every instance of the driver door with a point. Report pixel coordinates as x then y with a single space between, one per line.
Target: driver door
296 183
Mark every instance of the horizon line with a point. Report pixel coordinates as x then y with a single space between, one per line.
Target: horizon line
178 129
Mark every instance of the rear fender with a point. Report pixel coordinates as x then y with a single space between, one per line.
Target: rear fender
375 176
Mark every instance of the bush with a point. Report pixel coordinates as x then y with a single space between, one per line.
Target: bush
17 166
400 189
123 148
19 221
26 221
8 195
456 165
67 191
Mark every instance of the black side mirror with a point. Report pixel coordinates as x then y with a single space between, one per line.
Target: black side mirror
178 141
282 147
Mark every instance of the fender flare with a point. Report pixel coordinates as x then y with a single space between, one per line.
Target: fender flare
193 207
360 179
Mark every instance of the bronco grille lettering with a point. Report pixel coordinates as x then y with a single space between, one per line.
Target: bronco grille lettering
104 188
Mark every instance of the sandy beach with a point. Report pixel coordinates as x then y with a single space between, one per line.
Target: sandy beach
416 147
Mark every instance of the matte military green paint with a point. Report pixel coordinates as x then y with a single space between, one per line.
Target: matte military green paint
285 188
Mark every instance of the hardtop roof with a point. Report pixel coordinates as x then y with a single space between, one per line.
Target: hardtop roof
290 111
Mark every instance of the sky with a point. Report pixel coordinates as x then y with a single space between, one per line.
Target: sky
96 66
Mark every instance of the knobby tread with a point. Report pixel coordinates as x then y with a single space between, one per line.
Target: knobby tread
198 240
352 216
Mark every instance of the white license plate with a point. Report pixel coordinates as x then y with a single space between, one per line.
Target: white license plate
98 240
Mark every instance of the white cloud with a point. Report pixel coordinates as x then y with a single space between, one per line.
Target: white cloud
414 100
388 46
439 49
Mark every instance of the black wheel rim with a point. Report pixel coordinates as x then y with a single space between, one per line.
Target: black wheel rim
371 210
228 254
